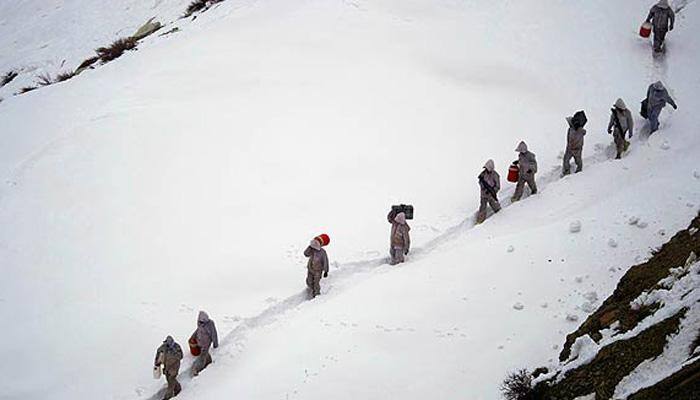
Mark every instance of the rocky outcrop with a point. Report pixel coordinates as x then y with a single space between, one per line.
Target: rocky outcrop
635 327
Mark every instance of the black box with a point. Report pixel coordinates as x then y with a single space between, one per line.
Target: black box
403 208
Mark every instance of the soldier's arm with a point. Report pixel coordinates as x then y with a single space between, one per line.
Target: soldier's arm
407 239
672 19
611 124
158 353
497 187
670 100
651 15
630 122
178 351
307 252
325 262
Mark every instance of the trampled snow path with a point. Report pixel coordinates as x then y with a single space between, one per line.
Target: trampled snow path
340 275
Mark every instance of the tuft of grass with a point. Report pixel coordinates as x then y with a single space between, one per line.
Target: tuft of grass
8 77
116 49
195 6
26 89
44 80
64 76
88 62
518 386
199 5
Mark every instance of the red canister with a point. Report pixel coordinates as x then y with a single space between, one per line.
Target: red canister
513 173
323 239
645 30
195 350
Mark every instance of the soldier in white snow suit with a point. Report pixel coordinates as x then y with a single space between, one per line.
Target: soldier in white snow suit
400 240
662 19
574 147
621 122
169 355
317 267
490 184
527 163
205 336
657 97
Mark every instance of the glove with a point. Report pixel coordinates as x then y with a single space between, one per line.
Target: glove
405 252
675 107
609 130
630 135
529 171
325 274
516 162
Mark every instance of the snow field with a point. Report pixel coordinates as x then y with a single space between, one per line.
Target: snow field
191 174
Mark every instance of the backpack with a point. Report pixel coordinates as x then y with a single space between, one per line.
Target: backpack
644 111
579 120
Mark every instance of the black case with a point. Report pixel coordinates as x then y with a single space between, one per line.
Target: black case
403 208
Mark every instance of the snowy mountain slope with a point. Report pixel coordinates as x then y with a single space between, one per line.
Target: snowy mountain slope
192 173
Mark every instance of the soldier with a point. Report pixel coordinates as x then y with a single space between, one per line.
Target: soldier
657 97
662 19
400 240
205 335
316 267
169 355
621 122
490 184
574 143
527 164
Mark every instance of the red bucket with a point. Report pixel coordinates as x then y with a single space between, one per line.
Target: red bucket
195 350
513 173
323 239
645 30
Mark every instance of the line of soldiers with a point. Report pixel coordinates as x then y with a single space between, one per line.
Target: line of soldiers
662 18
169 354
621 123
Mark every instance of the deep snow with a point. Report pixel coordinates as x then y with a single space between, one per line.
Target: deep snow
191 174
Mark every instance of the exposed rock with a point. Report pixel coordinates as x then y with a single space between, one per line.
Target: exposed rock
147 29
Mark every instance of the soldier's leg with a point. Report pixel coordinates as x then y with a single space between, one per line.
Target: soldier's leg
659 37
566 164
398 255
578 157
531 182
309 280
178 387
170 391
201 362
519 187
619 144
495 205
654 119
317 283
481 215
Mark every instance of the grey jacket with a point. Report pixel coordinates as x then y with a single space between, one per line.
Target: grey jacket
527 162
205 334
318 260
574 137
169 355
400 237
662 18
625 119
658 96
492 179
